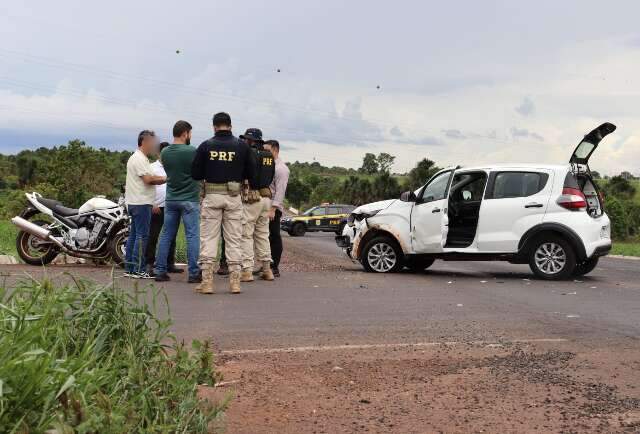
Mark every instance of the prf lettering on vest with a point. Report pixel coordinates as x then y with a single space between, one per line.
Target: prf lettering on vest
222 155
266 161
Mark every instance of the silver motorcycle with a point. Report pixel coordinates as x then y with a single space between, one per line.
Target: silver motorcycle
98 230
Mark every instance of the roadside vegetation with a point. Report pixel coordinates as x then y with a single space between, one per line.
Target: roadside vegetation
82 358
75 172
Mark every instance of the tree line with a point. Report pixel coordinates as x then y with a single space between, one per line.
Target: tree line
75 172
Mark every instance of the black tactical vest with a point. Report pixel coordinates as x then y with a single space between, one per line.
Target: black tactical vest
266 168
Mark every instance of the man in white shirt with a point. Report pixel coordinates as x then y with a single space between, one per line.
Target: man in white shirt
139 196
278 190
157 221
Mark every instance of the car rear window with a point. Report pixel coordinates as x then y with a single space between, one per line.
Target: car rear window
516 184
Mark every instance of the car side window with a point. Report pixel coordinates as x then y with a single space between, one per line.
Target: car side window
318 212
437 188
517 184
333 211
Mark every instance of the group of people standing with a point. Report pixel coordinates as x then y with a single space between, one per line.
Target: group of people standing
229 189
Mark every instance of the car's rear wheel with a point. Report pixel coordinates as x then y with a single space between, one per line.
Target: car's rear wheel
298 230
418 263
586 267
382 255
552 258
340 229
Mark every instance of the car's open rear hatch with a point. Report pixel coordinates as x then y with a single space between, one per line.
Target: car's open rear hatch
581 155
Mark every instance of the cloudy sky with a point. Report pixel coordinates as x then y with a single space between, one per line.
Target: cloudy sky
460 82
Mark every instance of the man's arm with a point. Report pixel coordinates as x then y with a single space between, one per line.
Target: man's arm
199 162
280 181
153 179
250 164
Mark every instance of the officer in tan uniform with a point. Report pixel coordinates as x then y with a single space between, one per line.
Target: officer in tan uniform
223 162
256 197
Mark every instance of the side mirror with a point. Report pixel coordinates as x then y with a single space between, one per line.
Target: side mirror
408 196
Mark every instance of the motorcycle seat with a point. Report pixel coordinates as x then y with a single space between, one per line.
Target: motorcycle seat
58 208
49 203
64 211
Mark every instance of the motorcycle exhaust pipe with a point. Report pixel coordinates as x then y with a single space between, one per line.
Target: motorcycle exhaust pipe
33 229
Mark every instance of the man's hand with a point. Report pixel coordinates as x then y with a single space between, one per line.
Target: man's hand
155 210
272 213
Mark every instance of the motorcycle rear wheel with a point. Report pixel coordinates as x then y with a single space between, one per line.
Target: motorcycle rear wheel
34 251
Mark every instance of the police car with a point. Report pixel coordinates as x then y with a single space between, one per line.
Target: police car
323 218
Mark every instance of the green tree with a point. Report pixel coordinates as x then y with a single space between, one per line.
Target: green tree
369 164
26 166
420 174
385 161
620 188
297 192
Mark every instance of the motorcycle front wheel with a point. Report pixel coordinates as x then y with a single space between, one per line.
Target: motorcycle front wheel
34 251
117 247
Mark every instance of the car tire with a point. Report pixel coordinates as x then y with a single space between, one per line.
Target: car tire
298 230
340 229
552 258
417 264
586 267
382 255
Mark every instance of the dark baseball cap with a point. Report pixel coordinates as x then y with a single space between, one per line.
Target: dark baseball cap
221 118
254 134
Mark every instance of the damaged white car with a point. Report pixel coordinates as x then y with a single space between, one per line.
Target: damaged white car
550 217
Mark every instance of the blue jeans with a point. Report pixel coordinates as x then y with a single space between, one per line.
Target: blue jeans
135 261
190 214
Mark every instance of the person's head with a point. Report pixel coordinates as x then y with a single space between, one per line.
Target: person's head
272 146
161 146
253 137
182 132
147 142
222 122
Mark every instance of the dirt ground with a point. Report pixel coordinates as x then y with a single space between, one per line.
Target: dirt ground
443 388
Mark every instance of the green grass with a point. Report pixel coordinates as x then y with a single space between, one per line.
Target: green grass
82 358
626 248
8 234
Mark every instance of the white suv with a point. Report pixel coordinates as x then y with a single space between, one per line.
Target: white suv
550 217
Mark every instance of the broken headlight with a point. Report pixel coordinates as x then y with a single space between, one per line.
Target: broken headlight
358 217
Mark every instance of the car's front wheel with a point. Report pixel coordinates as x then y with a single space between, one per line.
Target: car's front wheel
382 255
552 258
418 263
298 230
586 267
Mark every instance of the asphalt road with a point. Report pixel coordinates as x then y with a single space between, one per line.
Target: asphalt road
323 298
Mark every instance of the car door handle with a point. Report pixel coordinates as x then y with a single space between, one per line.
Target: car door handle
534 205
436 210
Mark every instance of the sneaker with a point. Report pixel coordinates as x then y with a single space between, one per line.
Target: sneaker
174 269
162 277
195 279
143 275
130 274
276 272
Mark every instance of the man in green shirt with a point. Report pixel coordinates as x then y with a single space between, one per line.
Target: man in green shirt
182 202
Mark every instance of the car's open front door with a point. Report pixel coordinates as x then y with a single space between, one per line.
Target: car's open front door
429 216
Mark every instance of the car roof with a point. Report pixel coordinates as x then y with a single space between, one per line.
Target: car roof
514 166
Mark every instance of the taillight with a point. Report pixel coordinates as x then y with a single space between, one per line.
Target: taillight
572 199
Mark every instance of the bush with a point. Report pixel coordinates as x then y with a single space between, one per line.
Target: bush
91 359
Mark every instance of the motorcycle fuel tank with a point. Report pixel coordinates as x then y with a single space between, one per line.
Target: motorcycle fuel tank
97 203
